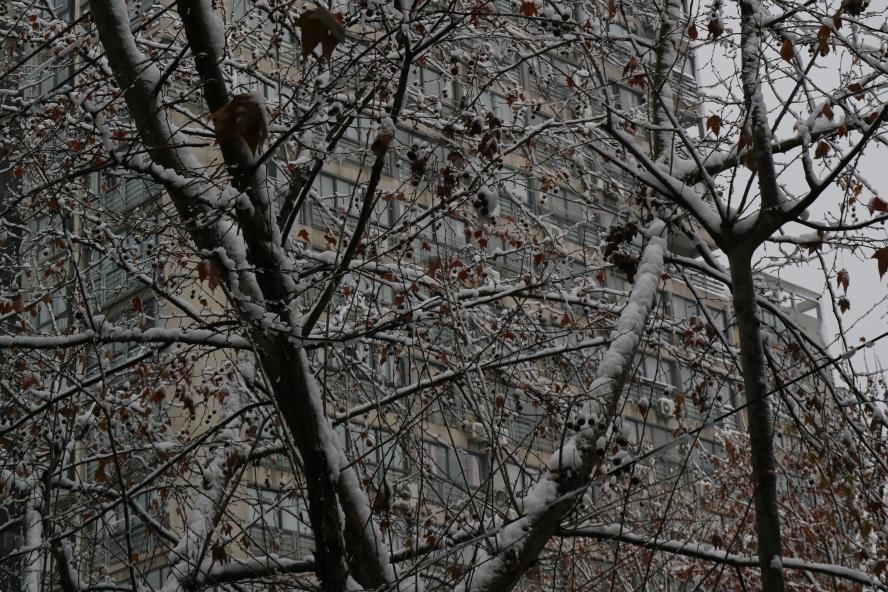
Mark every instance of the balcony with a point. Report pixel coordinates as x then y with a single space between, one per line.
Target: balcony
285 543
713 288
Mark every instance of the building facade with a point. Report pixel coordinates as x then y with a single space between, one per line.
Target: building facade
437 450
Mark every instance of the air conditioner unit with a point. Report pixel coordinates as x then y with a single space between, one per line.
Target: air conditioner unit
665 407
593 182
474 430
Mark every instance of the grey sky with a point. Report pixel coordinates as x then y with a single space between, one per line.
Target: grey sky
867 316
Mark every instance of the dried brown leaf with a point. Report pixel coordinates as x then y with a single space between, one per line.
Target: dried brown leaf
630 66
243 117
527 9
787 50
881 257
877 204
843 279
857 89
320 27
823 35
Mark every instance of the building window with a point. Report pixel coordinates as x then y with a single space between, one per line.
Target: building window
107 277
707 396
496 104
278 510
670 463
64 9
334 197
279 522
155 578
376 447
617 30
518 190
771 322
359 130
45 76
432 83
53 317
117 353
254 18
656 369
445 234
518 479
460 467
561 71
118 194
704 454
625 98
685 309
656 377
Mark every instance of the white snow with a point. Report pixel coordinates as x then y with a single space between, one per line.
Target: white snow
566 457
624 340
32 569
214 27
200 523
710 553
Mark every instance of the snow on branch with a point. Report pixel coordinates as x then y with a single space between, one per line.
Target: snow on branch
109 334
187 558
616 532
518 543
34 542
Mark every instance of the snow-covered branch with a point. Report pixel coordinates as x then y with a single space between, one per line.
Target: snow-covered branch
711 554
111 334
549 500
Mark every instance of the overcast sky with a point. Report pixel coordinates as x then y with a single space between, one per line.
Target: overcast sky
869 310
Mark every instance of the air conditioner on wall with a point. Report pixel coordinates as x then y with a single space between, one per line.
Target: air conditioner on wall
595 182
475 430
665 407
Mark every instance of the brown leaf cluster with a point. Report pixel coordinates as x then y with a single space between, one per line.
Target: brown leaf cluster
881 257
243 117
843 279
320 27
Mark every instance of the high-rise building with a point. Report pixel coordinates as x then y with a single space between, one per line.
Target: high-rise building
451 444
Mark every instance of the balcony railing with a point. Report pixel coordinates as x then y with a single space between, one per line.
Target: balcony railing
707 284
285 543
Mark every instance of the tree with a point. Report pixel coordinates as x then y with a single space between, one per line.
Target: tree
386 297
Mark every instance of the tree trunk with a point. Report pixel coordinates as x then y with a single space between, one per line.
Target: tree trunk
761 434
